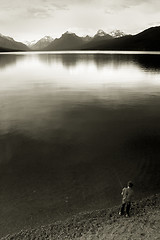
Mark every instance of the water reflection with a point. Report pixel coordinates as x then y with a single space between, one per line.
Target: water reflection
68 60
145 61
9 59
100 60
148 62
40 84
67 122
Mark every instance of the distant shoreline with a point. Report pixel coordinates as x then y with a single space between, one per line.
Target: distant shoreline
83 52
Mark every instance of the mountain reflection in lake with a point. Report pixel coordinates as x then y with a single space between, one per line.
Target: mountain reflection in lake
71 124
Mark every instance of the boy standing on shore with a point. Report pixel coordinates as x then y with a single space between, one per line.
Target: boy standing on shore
127 197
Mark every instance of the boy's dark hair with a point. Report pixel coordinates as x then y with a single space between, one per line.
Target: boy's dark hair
130 184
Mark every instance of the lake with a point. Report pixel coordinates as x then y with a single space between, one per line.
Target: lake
74 128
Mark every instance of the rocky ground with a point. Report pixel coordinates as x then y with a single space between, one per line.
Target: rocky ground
144 223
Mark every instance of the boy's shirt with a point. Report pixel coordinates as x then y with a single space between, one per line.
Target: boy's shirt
127 195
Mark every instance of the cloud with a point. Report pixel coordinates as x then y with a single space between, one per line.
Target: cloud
57 5
31 8
31 17
113 6
45 8
45 11
39 12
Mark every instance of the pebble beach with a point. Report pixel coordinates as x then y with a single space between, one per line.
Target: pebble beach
144 223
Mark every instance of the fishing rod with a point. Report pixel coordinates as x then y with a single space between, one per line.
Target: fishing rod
119 181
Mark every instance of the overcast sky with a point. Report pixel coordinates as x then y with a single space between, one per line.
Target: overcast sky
33 19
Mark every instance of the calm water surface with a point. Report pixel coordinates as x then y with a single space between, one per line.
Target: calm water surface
73 128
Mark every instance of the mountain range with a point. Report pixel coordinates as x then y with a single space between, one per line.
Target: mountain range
147 40
9 44
41 44
70 41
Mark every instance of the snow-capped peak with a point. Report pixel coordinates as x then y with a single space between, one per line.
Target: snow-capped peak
117 33
30 43
8 38
47 38
100 33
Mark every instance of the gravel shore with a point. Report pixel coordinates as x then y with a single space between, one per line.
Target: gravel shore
144 223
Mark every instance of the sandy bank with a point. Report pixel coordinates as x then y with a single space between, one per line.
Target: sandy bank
103 224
